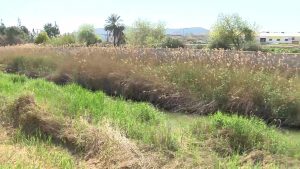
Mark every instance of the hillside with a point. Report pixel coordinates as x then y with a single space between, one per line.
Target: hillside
187 31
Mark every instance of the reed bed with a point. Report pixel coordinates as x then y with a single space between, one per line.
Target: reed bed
186 80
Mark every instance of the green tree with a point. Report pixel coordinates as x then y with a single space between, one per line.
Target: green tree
42 37
231 30
14 35
144 33
52 30
86 34
115 29
2 28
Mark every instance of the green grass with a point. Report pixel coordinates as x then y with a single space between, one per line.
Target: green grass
138 120
281 49
248 134
142 122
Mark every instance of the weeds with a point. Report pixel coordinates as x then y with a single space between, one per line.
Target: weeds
248 134
188 138
248 83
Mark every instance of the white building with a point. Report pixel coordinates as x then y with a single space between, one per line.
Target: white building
278 37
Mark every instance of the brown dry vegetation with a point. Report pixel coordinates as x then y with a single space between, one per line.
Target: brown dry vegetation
177 80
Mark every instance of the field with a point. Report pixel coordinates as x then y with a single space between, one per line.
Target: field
91 107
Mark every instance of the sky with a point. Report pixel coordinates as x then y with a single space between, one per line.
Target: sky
268 15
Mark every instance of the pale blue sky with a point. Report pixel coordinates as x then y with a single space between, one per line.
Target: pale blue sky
269 15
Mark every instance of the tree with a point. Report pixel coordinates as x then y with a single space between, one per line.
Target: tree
14 35
115 29
2 28
86 34
51 30
144 33
231 30
41 38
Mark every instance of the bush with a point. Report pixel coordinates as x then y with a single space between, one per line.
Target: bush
66 39
218 43
231 30
144 33
252 46
172 43
41 38
87 35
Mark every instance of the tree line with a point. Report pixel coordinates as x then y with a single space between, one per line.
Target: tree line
229 32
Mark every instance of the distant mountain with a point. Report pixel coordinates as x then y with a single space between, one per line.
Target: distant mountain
101 32
187 31
178 31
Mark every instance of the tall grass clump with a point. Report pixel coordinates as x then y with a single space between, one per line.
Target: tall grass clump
248 134
32 67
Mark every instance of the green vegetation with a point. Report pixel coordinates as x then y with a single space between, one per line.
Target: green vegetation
258 90
172 43
231 30
86 34
36 67
279 50
144 33
140 121
260 85
52 30
247 134
13 35
42 38
66 39
249 89
115 29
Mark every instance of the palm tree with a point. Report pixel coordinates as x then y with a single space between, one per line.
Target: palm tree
115 28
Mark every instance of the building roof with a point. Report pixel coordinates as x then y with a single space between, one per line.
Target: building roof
278 34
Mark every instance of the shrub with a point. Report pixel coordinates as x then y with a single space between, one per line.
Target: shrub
65 39
172 43
231 30
218 43
144 33
41 38
87 35
252 46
